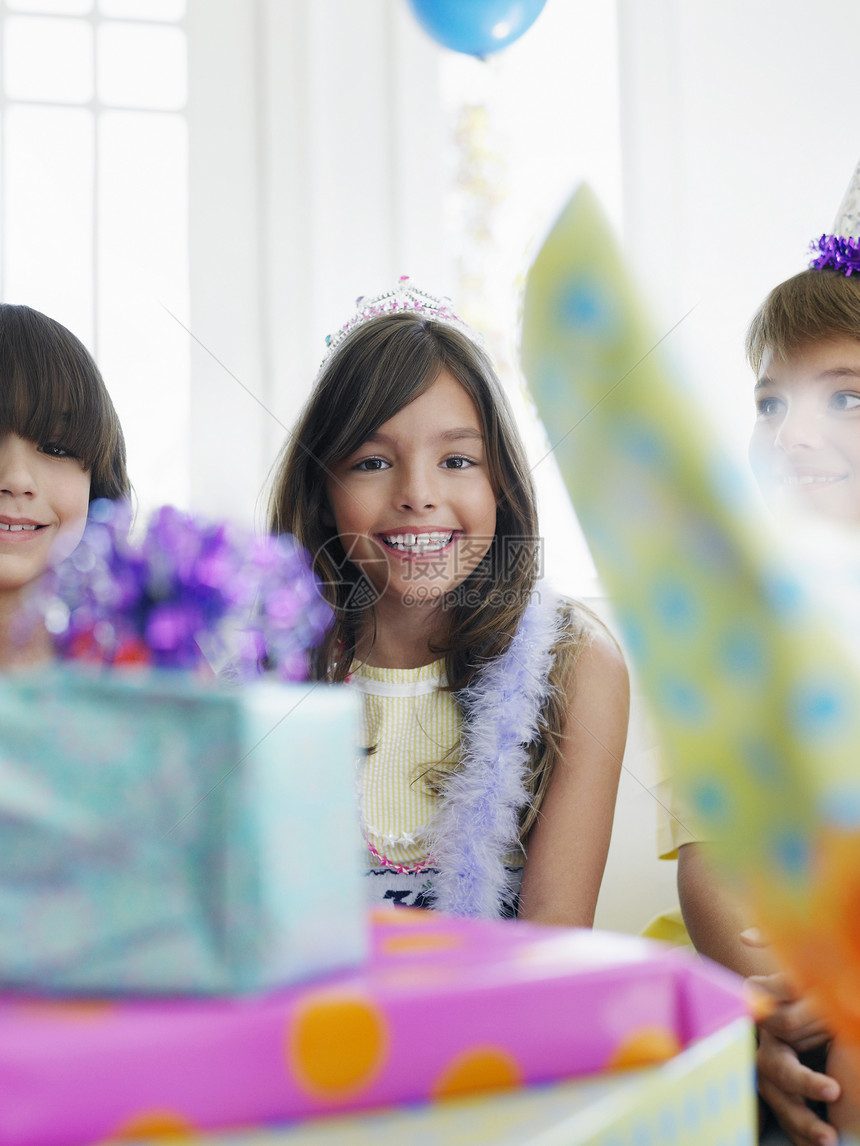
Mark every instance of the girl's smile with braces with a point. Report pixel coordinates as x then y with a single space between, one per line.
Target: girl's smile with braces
429 541
416 499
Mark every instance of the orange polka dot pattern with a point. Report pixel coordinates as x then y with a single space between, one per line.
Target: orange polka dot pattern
443 1008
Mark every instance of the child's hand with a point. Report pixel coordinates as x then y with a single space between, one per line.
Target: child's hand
795 1020
785 1084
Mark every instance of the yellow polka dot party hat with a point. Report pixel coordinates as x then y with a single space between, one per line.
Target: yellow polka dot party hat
756 699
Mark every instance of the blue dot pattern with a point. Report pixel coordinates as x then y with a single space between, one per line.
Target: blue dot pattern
755 697
819 710
841 808
711 802
676 605
582 303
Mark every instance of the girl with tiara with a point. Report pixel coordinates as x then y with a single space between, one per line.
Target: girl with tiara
495 714
804 347
61 447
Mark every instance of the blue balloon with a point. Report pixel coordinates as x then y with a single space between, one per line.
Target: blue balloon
476 27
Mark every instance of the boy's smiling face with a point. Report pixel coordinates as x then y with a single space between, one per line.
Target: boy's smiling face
44 498
805 446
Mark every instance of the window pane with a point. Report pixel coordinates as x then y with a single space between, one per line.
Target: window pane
143 274
54 7
46 59
47 213
142 66
143 9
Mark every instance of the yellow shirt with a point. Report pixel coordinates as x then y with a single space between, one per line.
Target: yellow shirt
413 728
673 821
412 724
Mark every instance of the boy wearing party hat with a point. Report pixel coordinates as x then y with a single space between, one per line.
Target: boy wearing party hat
753 692
804 346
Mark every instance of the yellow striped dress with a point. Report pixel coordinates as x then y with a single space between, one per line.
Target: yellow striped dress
411 734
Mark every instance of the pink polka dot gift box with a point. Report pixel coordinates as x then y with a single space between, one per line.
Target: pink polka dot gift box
443 1007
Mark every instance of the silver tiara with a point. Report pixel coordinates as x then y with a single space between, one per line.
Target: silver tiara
404 298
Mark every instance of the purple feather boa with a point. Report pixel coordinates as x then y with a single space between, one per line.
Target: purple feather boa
478 819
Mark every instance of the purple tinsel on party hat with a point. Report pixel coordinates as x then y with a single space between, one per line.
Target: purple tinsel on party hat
836 253
185 589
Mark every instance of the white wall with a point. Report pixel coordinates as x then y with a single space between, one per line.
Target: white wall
740 133
314 127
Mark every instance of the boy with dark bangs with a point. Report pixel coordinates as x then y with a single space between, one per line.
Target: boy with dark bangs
61 447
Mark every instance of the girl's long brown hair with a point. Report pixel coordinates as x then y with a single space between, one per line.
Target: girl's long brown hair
379 368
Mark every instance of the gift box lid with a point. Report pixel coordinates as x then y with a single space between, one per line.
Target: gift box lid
163 835
443 1007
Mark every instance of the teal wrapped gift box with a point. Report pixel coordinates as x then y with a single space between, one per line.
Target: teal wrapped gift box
161 835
